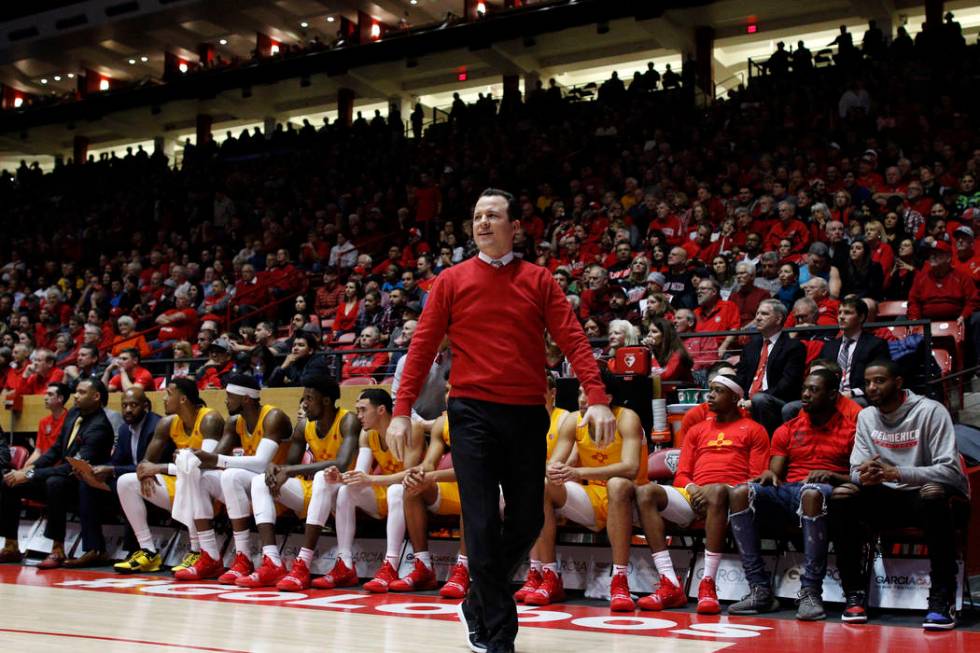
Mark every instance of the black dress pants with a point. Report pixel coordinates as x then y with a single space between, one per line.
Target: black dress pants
59 492
498 446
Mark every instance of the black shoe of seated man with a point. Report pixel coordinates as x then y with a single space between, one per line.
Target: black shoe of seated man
476 636
500 647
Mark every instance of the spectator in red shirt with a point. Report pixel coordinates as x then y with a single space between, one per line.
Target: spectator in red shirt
716 314
747 295
177 323
250 292
347 311
427 200
818 290
284 278
595 297
126 339
810 455
128 371
329 295
425 274
881 252
40 373
671 362
213 374
966 259
49 428
789 228
942 292
725 450
369 364
667 223
701 247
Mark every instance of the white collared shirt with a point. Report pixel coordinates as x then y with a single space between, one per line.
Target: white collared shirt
504 260
134 439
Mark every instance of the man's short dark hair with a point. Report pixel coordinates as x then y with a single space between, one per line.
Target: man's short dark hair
317 376
61 390
513 209
92 349
894 369
132 351
188 388
99 387
310 339
831 380
378 397
858 305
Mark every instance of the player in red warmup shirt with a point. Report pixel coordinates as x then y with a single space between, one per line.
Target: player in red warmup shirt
810 456
723 451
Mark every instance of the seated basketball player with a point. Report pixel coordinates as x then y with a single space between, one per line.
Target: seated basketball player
188 424
585 503
428 489
723 451
379 495
257 429
558 417
331 435
810 455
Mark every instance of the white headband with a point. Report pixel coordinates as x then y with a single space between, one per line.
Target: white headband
242 390
730 384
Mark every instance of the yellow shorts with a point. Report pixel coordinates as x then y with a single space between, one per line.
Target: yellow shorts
307 496
448 499
599 497
381 498
171 484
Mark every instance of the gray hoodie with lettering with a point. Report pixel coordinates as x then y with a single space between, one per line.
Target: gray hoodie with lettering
917 437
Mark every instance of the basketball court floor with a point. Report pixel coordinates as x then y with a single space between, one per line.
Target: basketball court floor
101 611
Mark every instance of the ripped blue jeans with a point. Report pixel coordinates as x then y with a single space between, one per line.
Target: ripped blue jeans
778 505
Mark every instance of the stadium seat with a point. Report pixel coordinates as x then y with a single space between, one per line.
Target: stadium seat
359 380
18 456
662 464
893 309
949 335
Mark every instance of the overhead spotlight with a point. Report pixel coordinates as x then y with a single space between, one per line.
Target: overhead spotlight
57 78
44 80
71 75
481 9
182 66
223 41
144 58
18 102
602 28
375 31
304 24
274 49
413 2
132 62
103 84
330 19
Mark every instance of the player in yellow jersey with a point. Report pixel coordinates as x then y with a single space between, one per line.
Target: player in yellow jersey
331 434
257 430
586 503
558 417
430 489
188 424
379 495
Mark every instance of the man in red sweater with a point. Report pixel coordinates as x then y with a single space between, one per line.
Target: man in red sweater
723 451
789 228
495 308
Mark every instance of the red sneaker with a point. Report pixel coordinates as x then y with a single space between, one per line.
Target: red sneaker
457 584
619 594
420 578
532 583
340 576
240 567
382 579
205 568
667 595
549 591
708 597
297 579
265 576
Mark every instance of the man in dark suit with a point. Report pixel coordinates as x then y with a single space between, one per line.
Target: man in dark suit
86 434
139 424
861 348
771 367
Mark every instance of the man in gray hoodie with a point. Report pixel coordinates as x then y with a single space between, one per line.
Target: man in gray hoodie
907 467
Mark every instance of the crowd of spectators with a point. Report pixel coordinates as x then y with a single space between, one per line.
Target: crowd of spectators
657 220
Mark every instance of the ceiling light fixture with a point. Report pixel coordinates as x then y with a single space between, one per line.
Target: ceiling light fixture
330 19
44 81
144 58
223 41
304 24
57 78
71 75
132 62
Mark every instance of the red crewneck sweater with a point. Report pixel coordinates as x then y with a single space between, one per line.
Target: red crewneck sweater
496 319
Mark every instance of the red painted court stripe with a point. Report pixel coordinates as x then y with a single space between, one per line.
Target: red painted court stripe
119 639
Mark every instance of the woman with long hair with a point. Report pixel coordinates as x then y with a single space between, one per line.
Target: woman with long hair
621 334
671 361
722 271
789 285
881 252
348 308
903 273
862 276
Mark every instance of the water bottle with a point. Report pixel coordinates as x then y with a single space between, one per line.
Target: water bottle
258 373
